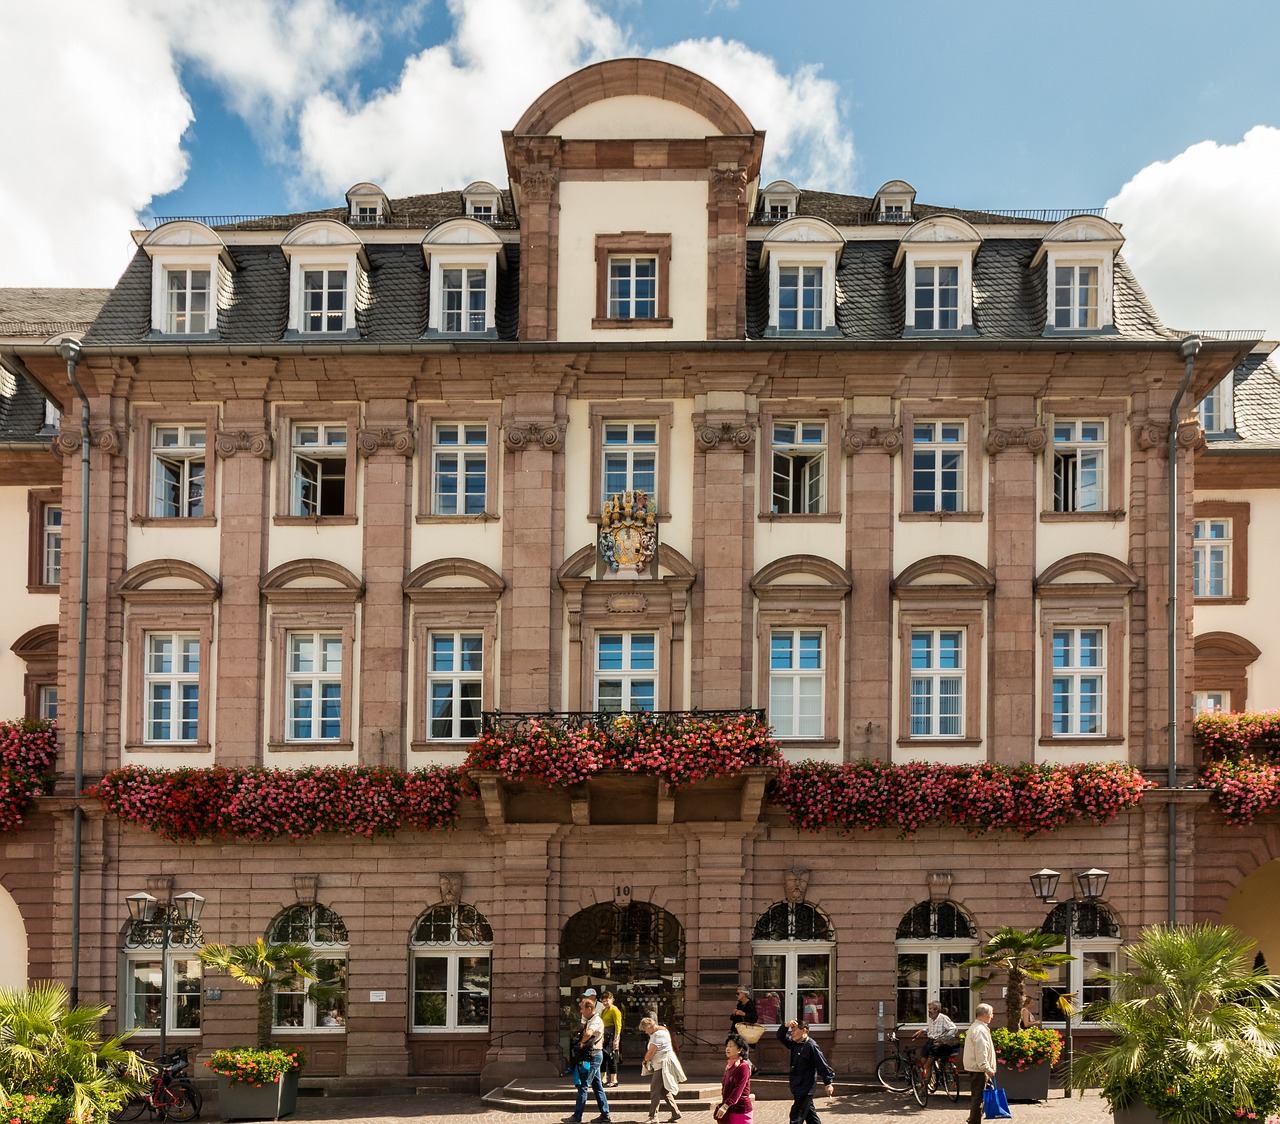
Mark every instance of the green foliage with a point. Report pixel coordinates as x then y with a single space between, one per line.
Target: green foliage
1017 955
54 1063
1196 1029
266 967
255 1067
1023 1049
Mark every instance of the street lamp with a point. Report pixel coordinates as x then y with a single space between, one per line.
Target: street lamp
1090 885
149 915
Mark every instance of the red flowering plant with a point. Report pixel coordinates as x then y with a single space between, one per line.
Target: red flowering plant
681 750
1024 1049
1027 799
1242 762
28 749
255 1067
264 804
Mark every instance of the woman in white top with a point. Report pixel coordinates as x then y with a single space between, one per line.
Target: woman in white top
661 1063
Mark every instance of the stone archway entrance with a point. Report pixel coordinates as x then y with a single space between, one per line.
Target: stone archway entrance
1254 909
13 939
636 951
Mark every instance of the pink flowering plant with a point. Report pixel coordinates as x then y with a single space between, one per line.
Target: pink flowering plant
264 804
1025 1049
255 1067
1026 799
1242 762
28 749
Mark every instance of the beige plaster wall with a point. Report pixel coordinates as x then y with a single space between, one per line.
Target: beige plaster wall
916 539
201 546
634 117
13 939
1254 909
23 610
1055 541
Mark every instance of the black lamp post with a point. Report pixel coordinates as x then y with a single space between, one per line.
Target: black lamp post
1090 885
149 914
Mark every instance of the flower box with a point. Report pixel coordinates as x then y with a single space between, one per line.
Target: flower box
1029 1084
239 1101
1136 1112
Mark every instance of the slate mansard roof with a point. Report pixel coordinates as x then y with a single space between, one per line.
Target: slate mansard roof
1009 294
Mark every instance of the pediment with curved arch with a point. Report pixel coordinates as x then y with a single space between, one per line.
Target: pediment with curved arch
318 574
802 570
462 231
949 571
321 232
1085 228
37 643
942 228
1088 569
183 232
803 229
582 564
1225 646
455 573
170 576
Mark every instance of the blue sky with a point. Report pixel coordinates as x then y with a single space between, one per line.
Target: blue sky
1168 112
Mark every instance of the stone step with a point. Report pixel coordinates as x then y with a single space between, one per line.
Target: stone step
630 1097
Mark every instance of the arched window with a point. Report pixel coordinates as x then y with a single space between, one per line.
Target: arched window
140 1008
791 953
320 1004
1095 944
932 941
451 950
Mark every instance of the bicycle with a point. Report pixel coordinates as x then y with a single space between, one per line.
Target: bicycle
945 1077
904 1072
170 1096
894 1073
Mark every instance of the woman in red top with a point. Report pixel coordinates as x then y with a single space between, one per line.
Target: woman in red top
735 1087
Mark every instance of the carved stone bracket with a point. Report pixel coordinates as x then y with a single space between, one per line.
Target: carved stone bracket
524 435
450 888
1031 439
728 436
371 439
795 884
107 438
1153 435
875 439
227 443
728 185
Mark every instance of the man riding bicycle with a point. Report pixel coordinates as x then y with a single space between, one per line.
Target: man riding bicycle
943 1038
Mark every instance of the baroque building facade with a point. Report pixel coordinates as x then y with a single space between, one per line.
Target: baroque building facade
636 432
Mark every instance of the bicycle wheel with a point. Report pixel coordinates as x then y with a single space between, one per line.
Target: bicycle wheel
893 1074
185 1106
919 1087
131 1109
951 1081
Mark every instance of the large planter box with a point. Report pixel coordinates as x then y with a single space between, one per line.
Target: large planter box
1025 1084
257 1102
1137 1113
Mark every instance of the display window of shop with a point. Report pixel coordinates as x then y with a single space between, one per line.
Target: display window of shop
319 1004
451 952
932 941
792 955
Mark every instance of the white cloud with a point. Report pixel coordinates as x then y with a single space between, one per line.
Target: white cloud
1203 233
92 131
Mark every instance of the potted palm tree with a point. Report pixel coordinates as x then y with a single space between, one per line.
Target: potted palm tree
54 1062
1026 1057
261 1083
1196 1031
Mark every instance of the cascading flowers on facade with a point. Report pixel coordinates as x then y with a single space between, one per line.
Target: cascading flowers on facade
1241 762
28 749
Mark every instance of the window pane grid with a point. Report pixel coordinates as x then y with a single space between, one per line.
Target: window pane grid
465 300
1079 466
633 288
454 678
625 679
800 298
938 466
460 472
313 685
51 559
1075 296
937 297
324 300
937 683
799 468
1079 664
177 472
172 688
187 304
319 470
629 458
1211 558
797 682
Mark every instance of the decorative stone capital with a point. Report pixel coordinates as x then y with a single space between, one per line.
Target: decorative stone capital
728 185
107 438
227 443
538 183
1150 435
1030 439
727 436
524 435
65 442
373 438
873 439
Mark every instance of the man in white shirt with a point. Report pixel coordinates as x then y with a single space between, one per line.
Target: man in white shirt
942 1039
590 1046
979 1059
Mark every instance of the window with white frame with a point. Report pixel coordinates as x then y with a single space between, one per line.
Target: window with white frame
51 543
47 701
799 467
460 468
932 941
937 298
1095 946
633 287
172 687
1217 408
779 211
1211 702
465 298
1079 465
303 1004
937 682
455 680
324 300
800 297
313 687
1211 558
792 948
938 466
797 682
187 301
481 211
177 471
51 422
452 949
1078 683
182 1002
1075 296
319 473
630 458
366 214
626 671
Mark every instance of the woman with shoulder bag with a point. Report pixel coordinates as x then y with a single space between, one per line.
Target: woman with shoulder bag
663 1067
735 1086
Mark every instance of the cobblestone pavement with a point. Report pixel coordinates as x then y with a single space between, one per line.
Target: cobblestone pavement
441 1108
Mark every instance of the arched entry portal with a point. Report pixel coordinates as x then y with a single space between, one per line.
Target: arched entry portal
13 939
634 950
1254 909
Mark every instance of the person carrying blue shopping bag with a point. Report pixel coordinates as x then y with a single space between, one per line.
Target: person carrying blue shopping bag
979 1059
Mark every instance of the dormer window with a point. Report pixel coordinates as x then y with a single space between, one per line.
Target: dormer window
894 202
463 256
483 201
801 255
367 205
1079 258
367 215
780 201
188 261
937 254
1217 408
325 259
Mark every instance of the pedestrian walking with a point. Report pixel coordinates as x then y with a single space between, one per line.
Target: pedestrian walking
807 1065
735 1086
590 1051
663 1067
979 1059
611 1016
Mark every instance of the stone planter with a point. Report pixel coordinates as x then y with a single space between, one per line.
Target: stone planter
1136 1113
1025 1084
257 1102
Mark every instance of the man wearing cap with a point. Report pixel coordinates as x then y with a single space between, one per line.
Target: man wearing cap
592 1054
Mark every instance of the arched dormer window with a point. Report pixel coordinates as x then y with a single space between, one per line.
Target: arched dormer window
451 946
802 255
932 941
779 201
894 202
1079 255
464 256
190 271
367 205
792 948
1095 946
326 264
303 1004
937 255
483 201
